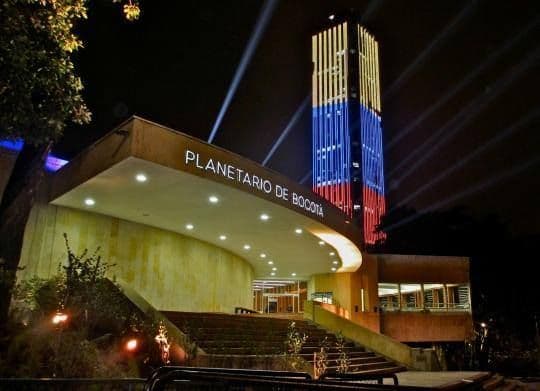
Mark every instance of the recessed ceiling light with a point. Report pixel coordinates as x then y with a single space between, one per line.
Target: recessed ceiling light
272 274
332 253
270 262
263 255
335 262
298 230
213 199
274 268
247 246
333 269
189 226
321 243
222 237
264 217
293 274
89 202
141 177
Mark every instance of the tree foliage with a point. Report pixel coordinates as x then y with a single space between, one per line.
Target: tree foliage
89 343
40 91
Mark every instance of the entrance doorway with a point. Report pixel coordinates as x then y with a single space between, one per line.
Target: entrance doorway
279 296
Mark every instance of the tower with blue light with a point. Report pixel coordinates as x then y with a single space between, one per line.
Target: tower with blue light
347 135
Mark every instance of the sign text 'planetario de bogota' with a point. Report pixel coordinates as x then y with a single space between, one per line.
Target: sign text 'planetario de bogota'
248 179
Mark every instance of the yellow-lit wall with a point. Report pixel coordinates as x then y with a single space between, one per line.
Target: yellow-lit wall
347 292
337 283
171 271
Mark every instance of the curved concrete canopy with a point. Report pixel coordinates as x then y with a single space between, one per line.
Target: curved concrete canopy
176 195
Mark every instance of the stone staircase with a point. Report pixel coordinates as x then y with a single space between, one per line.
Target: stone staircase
255 335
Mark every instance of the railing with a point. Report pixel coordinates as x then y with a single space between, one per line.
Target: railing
186 378
242 310
322 297
132 384
465 307
189 378
247 379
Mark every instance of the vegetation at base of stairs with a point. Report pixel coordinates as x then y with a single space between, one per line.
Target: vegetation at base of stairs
77 323
320 360
343 361
294 343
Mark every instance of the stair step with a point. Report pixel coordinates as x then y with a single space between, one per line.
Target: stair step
232 335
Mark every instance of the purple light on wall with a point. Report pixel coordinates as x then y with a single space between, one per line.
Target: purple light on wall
12 145
53 164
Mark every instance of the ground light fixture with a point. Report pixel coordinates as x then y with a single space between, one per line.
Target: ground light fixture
270 262
264 217
247 246
89 201
272 274
274 269
332 254
298 231
333 269
131 345
140 177
189 227
263 255
293 274
222 237
213 199
335 262
59 318
321 243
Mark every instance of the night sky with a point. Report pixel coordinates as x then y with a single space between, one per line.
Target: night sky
175 64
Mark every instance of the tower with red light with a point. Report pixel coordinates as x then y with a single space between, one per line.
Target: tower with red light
347 135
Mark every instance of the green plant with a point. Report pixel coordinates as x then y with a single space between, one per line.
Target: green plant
74 324
294 343
320 362
343 361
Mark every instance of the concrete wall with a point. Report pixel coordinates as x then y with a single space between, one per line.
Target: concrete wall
402 326
432 327
7 162
337 283
171 271
347 291
419 359
422 269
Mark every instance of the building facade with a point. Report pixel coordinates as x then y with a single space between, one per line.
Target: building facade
347 135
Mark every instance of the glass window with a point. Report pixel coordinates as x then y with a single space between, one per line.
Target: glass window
389 296
411 297
458 296
434 296
322 297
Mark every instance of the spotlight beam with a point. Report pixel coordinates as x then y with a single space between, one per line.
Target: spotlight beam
260 26
450 128
371 9
422 57
469 191
462 162
463 83
305 177
288 128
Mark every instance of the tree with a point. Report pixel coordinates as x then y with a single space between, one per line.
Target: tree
40 93
75 324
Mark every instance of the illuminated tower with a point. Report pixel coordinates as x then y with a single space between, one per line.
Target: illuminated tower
347 135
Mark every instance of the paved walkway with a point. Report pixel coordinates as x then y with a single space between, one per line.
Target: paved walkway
434 379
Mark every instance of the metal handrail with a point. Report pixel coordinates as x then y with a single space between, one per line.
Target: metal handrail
225 378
